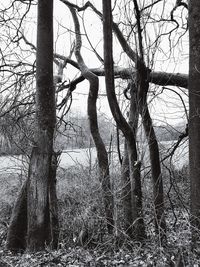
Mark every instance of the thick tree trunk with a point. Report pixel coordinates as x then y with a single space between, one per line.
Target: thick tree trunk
134 222
194 117
39 228
16 236
17 231
40 184
38 200
102 154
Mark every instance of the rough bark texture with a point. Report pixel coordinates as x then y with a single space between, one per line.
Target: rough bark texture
102 154
194 118
39 234
38 202
17 231
136 231
16 236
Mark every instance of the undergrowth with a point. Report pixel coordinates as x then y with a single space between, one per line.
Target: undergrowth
84 240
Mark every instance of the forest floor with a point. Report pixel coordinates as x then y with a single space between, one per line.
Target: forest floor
177 253
107 252
76 257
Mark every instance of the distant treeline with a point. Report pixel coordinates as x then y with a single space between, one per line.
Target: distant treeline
73 133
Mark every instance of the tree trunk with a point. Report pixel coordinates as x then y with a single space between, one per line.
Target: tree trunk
134 222
38 201
17 231
39 228
133 121
194 118
127 193
16 236
158 198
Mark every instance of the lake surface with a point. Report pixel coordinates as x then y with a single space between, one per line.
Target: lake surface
87 157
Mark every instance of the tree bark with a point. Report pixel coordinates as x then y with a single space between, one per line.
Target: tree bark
194 118
38 234
39 228
17 231
158 198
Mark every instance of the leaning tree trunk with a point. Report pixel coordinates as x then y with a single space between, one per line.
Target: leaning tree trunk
194 117
135 229
102 154
158 195
39 228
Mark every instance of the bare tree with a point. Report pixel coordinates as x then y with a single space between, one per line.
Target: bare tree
38 232
39 192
